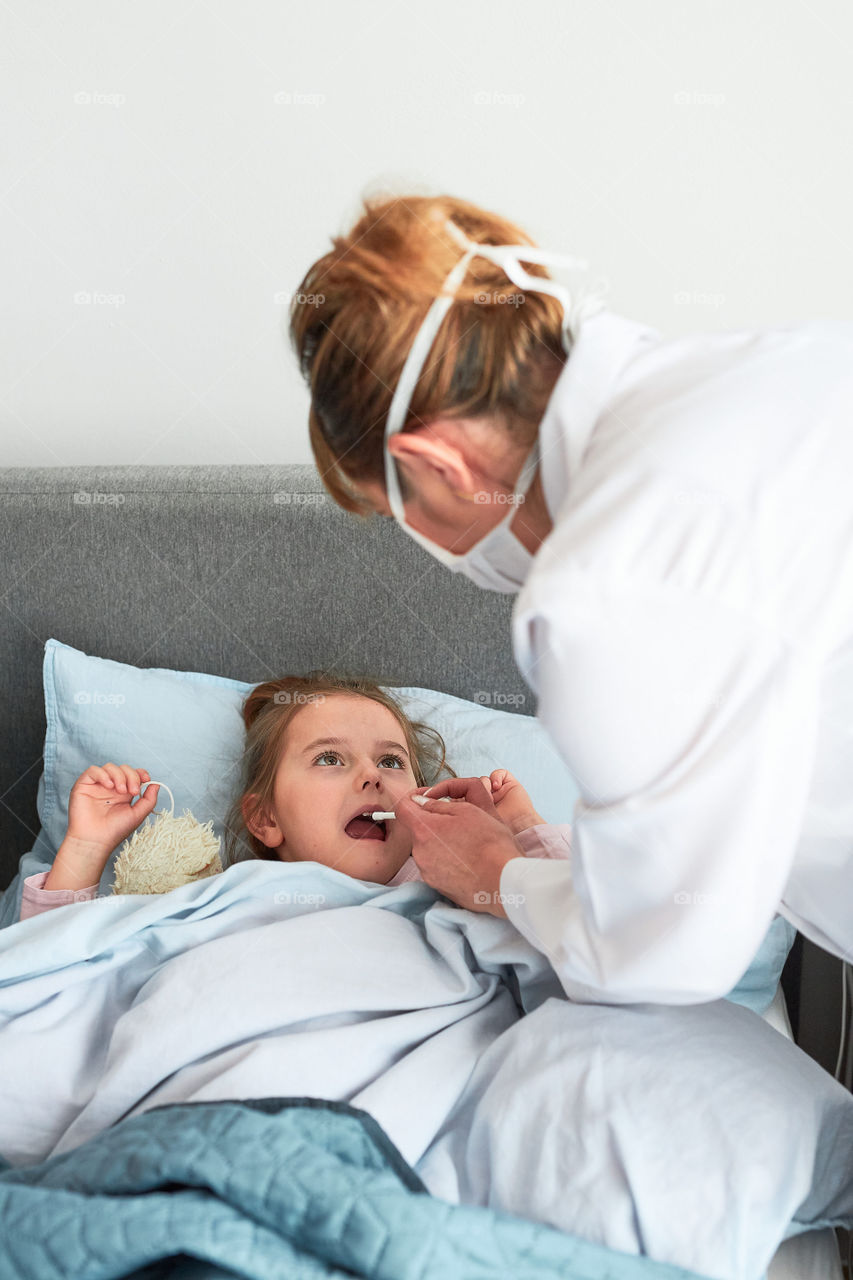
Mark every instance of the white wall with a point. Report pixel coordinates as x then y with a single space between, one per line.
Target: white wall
695 152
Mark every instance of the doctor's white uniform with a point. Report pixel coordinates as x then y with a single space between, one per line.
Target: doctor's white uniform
688 628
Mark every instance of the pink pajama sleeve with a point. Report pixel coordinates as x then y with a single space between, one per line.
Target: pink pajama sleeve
546 840
35 898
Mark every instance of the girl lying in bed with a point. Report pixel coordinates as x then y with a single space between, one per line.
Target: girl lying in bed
320 752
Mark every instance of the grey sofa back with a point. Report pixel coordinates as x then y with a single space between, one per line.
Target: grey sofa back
247 572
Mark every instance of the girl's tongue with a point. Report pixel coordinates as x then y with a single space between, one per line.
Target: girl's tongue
365 829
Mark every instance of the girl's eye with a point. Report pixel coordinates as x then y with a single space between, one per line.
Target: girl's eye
390 756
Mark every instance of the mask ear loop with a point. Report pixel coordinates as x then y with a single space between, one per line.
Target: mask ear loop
412 370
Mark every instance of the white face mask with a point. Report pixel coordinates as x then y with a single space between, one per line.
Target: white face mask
497 561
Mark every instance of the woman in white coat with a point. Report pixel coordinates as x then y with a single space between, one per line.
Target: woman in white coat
676 517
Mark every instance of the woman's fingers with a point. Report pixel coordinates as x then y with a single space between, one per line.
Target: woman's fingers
455 787
471 789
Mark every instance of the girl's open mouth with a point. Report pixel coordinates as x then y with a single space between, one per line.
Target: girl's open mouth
364 828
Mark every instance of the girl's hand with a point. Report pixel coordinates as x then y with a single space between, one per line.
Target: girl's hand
100 816
509 801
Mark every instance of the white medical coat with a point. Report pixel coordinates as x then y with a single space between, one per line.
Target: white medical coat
688 628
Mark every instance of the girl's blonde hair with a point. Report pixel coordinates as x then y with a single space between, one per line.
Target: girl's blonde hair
355 315
268 710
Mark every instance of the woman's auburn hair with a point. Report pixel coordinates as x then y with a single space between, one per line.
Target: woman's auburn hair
267 712
356 313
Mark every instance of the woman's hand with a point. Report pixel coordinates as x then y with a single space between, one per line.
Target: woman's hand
460 849
100 818
510 802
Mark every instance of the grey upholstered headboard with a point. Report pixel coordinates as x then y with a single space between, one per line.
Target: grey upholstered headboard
248 572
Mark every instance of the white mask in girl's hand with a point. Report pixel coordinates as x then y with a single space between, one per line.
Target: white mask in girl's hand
497 561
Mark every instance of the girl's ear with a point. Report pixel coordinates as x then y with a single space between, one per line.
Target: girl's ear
262 825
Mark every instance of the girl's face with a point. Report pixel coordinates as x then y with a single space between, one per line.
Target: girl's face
321 785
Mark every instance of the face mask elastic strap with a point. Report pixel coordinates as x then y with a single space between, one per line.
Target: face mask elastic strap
413 366
520 252
509 257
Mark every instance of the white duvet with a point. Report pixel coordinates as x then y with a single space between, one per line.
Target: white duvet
292 980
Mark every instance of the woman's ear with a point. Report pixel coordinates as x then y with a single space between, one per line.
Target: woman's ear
262 825
426 449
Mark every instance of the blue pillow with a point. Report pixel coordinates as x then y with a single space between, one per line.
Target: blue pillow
186 729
